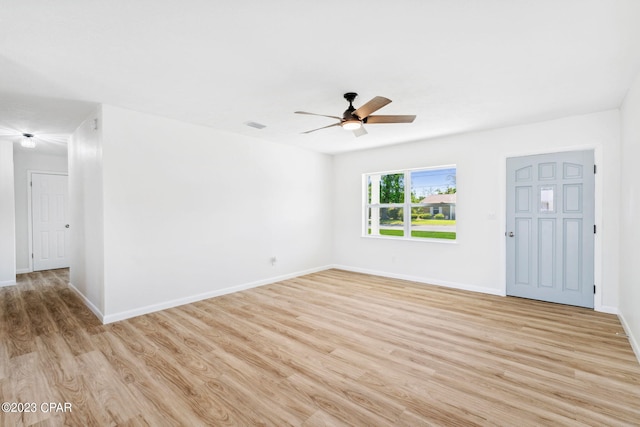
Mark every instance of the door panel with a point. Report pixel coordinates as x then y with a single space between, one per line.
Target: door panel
49 220
523 251
572 254
547 252
550 217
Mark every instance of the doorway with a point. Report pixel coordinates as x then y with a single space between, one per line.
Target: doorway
50 241
550 227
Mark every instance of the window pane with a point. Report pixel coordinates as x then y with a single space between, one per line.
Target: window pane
429 182
386 222
435 190
546 199
391 188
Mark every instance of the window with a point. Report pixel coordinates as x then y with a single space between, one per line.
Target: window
411 204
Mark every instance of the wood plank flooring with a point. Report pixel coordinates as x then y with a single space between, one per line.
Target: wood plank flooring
328 349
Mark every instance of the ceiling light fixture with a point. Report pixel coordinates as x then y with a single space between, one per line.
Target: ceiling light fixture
28 141
351 124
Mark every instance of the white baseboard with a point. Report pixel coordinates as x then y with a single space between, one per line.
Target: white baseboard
7 283
425 280
606 309
199 297
23 271
88 303
635 344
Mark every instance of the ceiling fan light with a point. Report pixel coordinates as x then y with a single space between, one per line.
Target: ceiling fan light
28 141
351 124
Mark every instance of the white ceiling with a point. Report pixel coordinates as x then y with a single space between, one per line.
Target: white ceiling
460 65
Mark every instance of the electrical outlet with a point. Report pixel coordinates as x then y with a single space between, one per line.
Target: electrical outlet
273 260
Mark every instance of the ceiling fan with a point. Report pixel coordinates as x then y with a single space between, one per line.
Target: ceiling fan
353 119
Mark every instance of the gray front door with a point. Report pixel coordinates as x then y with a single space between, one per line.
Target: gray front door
550 227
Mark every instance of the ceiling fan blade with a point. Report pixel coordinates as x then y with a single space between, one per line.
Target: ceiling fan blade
314 114
374 105
361 131
324 127
391 119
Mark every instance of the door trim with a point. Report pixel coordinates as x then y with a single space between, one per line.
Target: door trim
598 200
29 208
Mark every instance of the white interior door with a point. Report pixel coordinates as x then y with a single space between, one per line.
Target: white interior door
50 226
550 227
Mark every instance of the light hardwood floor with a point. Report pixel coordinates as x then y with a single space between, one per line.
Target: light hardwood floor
331 348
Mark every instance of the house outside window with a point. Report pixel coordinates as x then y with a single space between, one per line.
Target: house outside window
411 204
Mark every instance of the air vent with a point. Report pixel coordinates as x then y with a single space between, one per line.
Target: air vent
255 125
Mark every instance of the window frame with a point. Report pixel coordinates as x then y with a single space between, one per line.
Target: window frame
406 206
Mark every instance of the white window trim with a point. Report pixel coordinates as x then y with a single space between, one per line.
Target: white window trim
406 212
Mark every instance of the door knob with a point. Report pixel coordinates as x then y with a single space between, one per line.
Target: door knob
66 226
511 234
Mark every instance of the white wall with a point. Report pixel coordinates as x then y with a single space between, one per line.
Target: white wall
191 212
86 213
477 260
29 160
630 209
7 216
